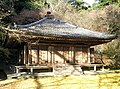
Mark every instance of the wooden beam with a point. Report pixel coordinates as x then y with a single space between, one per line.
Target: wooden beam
65 45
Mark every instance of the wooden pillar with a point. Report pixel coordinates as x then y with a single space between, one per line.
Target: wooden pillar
88 54
17 70
95 68
26 52
29 55
81 55
53 59
64 55
74 51
47 55
103 69
70 55
38 55
19 55
92 55
51 54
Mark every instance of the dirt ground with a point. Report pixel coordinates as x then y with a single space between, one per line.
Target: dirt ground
99 81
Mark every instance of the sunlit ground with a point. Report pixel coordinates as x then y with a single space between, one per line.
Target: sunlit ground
102 81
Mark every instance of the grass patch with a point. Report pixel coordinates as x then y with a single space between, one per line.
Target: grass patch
103 81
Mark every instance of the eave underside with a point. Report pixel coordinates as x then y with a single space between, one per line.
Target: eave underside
15 39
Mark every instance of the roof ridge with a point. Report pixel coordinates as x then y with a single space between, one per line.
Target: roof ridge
32 24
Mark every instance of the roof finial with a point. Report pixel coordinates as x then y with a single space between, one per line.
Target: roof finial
49 15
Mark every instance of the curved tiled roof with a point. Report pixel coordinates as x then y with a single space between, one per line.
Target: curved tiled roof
57 28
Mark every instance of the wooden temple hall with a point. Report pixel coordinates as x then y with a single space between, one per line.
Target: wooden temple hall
51 42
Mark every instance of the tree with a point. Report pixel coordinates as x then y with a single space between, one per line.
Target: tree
110 20
19 5
6 8
112 50
79 4
103 3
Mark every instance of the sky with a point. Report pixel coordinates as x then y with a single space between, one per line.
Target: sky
90 1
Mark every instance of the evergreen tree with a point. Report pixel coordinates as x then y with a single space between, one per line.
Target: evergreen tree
79 4
6 9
